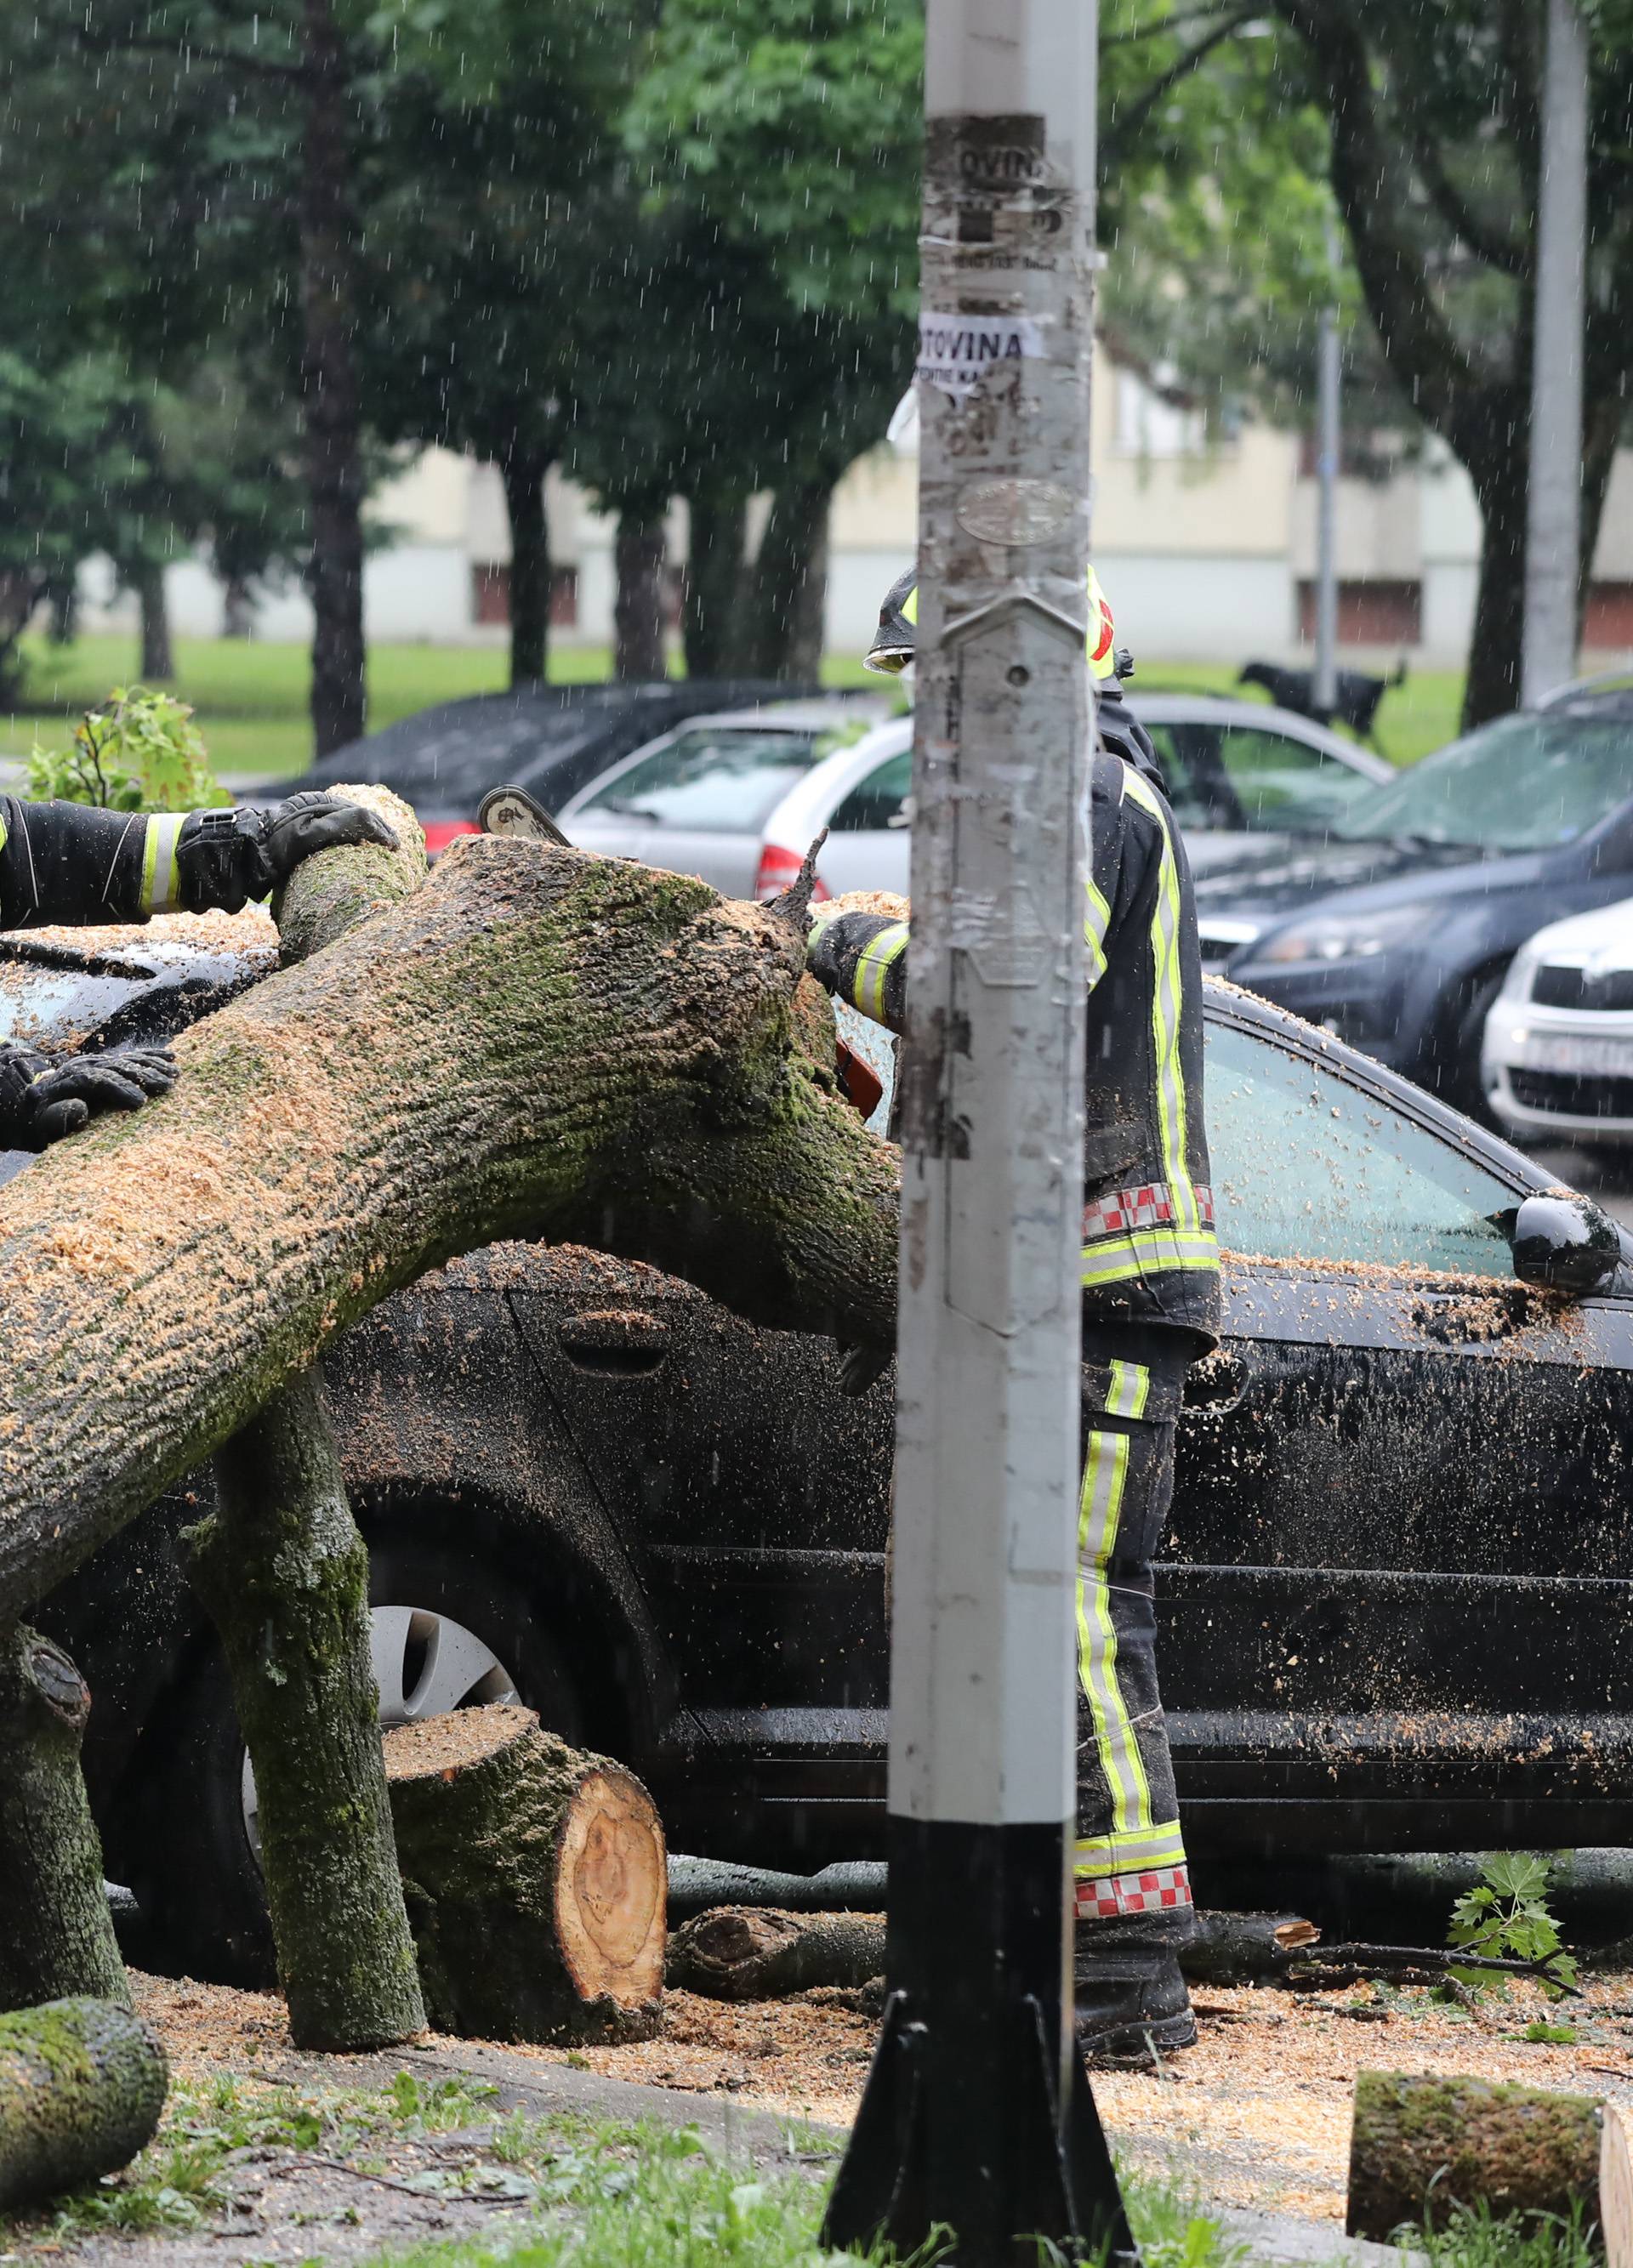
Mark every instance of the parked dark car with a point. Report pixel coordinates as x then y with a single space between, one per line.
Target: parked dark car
1398 1587
1395 931
549 739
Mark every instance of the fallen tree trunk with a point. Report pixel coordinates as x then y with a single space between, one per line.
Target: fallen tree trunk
1421 2147
757 1953
1234 1948
534 1877
536 1043
57 1936
283 1572
81 2087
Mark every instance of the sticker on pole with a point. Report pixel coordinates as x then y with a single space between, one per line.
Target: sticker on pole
955 352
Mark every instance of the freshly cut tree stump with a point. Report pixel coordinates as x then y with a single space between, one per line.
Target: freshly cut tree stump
82 2086
57 1935
759 1953
283 1572
1615 2186
1421 2147
1233 1948
535 1878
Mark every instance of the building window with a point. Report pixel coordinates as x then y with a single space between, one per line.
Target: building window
1369 613
490 596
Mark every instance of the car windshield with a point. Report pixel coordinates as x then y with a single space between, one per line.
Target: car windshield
1523 784
716 781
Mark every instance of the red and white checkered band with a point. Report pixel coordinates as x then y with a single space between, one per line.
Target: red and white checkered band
1159 1890
1148 1206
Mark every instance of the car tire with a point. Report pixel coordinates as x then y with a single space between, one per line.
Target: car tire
1455 1072
196 1872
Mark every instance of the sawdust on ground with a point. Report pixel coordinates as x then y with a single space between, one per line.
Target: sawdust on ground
1256 2114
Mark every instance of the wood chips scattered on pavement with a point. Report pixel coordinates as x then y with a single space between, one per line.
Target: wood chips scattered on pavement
1256 2114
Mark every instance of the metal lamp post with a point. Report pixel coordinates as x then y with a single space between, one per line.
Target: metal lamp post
977 2115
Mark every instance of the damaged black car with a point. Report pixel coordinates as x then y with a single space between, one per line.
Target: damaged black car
1397 1590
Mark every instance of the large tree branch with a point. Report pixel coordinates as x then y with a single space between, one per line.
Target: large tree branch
1126 125
535 1044
1484 237
1372 183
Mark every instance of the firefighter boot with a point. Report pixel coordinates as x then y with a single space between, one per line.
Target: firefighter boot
1129 1994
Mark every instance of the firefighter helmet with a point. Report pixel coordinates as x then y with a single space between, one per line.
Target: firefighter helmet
893 649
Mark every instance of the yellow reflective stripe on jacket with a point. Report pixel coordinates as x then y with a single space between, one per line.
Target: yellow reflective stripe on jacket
876 959
1122 1853
1097 921
5 837
160 881
1129 1390
1106 1478
1148 1252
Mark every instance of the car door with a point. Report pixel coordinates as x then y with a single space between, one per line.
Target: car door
750 1490
868 829
1402 1540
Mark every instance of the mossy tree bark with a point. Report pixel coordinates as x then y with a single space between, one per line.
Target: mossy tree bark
81 2087
1420 2147
758 1953
57 1938
535 1879
536 1043
284 1574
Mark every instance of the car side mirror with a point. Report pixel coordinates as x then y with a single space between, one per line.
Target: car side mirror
1564 1243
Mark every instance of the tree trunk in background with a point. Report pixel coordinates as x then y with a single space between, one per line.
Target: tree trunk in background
82 2089
789 585
714 627
283 1572
331 410
1496 457
56 1937
655 1074
637 613
158 663
523 473
238 608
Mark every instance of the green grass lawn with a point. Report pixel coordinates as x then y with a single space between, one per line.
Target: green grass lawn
251 699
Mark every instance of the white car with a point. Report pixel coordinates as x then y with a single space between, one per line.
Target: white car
1239 772
695 801
1557 1060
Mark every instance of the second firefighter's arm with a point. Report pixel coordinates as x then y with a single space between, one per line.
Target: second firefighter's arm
862 958
74 863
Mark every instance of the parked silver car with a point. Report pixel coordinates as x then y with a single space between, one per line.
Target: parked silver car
695 801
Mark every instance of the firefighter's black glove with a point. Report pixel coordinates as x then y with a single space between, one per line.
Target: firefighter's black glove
226 858
40 1102
822 952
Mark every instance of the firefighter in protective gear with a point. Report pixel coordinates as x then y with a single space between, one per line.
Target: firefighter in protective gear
69 863
892 652
1150 1308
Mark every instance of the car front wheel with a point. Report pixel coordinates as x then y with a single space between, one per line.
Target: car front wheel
444 1633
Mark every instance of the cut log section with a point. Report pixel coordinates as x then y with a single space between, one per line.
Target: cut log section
1234 1948
57 1936
759 1953
82 2086
535 1878
1421 2147
1615 2186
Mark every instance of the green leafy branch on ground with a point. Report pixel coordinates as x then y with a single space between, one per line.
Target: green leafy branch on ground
138 751
1507 1918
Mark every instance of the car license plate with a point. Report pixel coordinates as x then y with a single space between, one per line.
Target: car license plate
1563 1052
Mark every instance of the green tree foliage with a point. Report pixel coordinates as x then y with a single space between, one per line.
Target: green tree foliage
140 751
1507 1918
